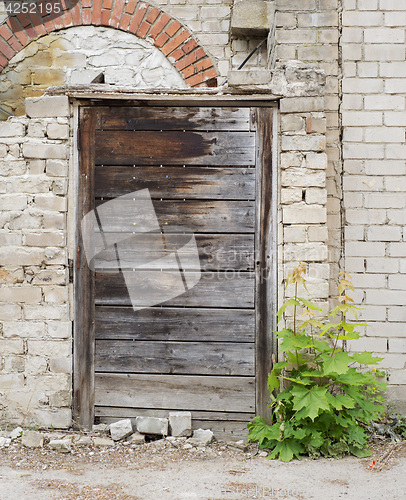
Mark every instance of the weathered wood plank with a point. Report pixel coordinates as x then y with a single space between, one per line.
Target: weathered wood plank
175 148
176 391
198 216
175 324
216 252
202 416
83 351
177 182
177 358
173 118
215 289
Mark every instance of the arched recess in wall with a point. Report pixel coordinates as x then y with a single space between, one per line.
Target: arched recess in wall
139 18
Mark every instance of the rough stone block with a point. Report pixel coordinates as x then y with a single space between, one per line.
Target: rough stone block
45 151
152 425
32 439
246 77
57 131
57 168
10 129
121 429
47 106
180 423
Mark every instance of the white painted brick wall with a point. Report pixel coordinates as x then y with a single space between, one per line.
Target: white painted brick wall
374 167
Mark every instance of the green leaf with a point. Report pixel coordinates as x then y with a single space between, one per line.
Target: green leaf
365 358
287 303
286 450
312 400
309 304
296 342
335 364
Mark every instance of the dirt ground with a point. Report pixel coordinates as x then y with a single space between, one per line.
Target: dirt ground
158 470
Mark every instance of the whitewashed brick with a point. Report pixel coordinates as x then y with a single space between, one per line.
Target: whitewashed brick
46 151
291 195
317 234
386 297
301 104
395 19
294 234
359 119
55 294
316 161
395 151
362 18
24 329
57 168
45 312
11 129
385 102
384 134
372 344
50 277
8 346
51 202
360 150
13 202
306 252
304 143
60 329
316 196
384 35
351 35
318 19
26 294
397 282
304 215
57 131
397 314
392 4
392 69
302 178
392 361
365 248
397 249
395 86
384 233
385 167
368 69
11 381
382 265
385 200
9 312
49 348
354 233
354 264
20 256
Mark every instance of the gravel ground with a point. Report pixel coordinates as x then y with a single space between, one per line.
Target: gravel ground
167 471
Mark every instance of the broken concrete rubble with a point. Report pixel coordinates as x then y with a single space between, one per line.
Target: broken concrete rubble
121 429
152 425
62 445
180 423
201 437
32 439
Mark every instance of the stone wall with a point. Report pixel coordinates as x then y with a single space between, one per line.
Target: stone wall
35 312
374 181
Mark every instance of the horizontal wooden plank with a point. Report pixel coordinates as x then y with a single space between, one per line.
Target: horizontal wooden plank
176 391
202 416
215 289
198 216
176 324
173 118
216 252
228 430
176 182
175 148
178 358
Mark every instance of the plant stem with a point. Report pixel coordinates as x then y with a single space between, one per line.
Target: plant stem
294 326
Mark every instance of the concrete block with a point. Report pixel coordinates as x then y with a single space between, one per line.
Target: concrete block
201 437
47 106
121 429
180 423
32 439
101 442
246 77
253 17
61 445
152 425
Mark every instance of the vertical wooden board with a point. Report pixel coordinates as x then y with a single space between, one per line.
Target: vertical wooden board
264 247
83 385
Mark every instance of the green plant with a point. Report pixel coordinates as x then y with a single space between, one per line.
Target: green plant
326 397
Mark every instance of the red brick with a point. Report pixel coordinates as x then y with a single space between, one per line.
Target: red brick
87 16
190 59
173 28
189 46
67 18
96 13
48 24
117 13
31 32
15 44
138 17
105 17
204 64
177 54
131 6
159 25
58 21
65 6
107 4
86 3
5 32
38 23
24 20
6 50
189 71
152 15
3 61
175 42
195 80
125 22
76 16
161 40
18 31
143 29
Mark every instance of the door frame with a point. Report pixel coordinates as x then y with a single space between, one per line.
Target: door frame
265 123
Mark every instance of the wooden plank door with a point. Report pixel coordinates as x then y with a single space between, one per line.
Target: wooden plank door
206 350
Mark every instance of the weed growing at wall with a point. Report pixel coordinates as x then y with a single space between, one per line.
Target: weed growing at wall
321 394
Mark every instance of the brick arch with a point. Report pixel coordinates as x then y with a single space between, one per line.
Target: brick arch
137 17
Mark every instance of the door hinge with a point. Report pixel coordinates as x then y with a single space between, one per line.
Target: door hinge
78 258
70 270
